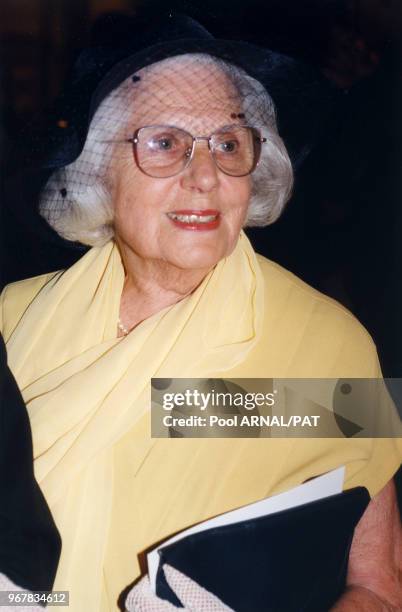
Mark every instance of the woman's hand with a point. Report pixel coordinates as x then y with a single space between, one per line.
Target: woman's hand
374 578
193 597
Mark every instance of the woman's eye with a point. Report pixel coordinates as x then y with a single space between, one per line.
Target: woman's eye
165 143
229 146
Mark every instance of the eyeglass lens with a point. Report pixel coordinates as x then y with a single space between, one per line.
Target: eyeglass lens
163 151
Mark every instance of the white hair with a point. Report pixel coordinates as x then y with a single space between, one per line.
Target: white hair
77 200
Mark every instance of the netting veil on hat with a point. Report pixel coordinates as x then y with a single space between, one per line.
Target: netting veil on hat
77 199
97 104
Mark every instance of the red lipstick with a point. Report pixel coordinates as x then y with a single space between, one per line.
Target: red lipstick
185 219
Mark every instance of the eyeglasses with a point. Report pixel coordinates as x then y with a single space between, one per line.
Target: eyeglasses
162 151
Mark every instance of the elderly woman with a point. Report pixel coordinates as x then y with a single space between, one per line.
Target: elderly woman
181 153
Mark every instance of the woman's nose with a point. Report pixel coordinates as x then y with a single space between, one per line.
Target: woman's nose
201 174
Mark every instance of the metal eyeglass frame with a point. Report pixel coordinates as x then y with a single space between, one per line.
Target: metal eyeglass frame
134 141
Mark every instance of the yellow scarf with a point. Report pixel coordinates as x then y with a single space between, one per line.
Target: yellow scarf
85 388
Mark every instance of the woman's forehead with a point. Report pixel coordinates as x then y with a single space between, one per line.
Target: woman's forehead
185 90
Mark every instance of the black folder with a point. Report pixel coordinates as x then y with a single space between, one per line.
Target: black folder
293 560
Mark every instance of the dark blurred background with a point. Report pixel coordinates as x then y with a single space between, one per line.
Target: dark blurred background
341 231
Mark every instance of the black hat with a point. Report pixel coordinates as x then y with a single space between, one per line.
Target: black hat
302 97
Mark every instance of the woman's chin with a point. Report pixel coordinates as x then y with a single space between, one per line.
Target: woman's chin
199 257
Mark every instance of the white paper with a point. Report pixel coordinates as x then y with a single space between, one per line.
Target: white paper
318 488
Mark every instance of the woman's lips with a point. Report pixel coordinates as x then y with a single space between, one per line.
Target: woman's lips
195 220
